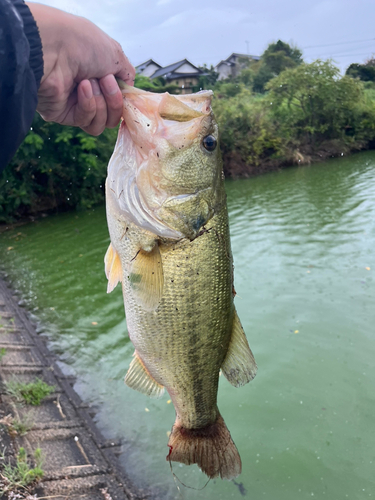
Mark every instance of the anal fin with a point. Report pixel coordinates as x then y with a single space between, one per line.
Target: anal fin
138 378
113 268
146 278
239 366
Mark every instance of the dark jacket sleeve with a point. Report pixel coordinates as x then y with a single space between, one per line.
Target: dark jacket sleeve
21 69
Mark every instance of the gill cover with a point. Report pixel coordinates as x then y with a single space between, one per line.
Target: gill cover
160 177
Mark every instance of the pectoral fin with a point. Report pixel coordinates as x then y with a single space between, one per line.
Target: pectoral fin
146 278
113 269
239 366
138 378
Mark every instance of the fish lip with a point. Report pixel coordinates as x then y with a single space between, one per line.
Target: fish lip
128 89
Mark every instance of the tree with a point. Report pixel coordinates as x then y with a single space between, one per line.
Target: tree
55 168
276 58
209 77
280 55
314 101
365 72
157 85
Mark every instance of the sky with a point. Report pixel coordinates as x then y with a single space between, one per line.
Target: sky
207 31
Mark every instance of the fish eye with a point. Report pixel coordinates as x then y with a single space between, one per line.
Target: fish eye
209 142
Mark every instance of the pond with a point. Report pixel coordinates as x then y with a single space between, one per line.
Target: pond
304 251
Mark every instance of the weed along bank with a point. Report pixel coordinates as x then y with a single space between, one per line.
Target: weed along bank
49 444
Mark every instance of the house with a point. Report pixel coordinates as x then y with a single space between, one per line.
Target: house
232 66
147 68
183 74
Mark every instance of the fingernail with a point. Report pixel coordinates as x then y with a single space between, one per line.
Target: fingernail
87 91
109 85
95 86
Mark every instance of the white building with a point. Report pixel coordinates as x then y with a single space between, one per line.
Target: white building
147 68
233 65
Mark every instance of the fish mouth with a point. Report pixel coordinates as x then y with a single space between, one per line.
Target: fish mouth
142 172
152 117
195 101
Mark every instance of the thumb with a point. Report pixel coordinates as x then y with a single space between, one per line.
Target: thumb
122 67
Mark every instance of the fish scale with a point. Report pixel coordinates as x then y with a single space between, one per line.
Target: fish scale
188 313
170 248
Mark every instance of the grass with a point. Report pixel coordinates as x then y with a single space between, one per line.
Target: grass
21 427
16 427
3 351
21 474
32 393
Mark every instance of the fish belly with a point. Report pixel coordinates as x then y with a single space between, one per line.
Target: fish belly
183 342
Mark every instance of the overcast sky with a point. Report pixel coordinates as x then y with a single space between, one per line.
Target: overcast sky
207 31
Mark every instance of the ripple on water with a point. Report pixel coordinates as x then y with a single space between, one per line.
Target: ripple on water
302 241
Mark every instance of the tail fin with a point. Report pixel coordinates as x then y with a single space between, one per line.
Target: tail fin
210 447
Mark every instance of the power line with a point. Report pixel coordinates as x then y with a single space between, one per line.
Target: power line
338 43
347 52
345 55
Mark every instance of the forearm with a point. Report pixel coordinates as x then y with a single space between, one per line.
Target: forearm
76 84
21 68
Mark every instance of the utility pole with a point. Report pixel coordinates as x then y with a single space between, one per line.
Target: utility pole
247 44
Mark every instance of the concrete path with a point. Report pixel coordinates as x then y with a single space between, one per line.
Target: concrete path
78 462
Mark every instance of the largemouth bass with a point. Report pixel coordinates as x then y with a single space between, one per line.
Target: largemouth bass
170 248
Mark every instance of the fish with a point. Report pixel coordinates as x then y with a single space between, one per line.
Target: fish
170 249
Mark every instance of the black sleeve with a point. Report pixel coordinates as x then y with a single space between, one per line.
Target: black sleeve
21 69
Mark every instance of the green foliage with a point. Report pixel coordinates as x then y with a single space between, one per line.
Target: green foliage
15 426
307 109
2 353
227 89
55 168
208 80
256 74
312 101
280 56
365 72
32 393
261 78
276 58
21 427
157 85
275 110
247 128
21 474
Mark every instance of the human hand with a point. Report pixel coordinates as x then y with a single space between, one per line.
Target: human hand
78 86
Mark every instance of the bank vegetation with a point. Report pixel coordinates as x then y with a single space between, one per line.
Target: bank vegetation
278 111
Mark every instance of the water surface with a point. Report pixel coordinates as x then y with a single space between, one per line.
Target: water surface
304 251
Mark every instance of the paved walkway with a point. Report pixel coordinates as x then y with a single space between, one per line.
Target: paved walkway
78 462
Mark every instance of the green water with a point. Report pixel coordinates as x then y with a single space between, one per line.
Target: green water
302 240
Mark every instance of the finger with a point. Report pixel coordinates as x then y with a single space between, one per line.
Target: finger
123 68
99 121
113 98
83 113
